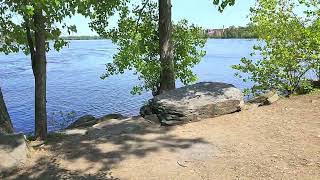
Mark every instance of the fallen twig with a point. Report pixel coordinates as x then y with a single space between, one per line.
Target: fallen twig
181 164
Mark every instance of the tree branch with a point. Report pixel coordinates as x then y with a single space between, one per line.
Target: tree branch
30 43
140 12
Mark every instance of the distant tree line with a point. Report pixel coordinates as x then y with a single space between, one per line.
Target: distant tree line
233 32
82 37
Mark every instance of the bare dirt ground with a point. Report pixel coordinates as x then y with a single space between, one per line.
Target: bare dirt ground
280 141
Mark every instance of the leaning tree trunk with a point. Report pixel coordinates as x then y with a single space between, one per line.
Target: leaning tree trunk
5 122
40 75
167 76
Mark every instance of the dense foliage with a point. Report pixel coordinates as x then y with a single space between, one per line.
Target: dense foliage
137 38
16 17
288 46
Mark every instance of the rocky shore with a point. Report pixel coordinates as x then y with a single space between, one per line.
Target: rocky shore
187 104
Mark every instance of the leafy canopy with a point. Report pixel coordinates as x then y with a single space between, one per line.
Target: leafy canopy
16 16
288 46
137 38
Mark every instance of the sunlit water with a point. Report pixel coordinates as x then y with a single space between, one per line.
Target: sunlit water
74 82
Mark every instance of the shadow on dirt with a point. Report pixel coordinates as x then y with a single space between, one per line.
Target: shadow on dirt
107 144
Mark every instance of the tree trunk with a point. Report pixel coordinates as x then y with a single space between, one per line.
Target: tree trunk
167 76
40 75
318 71
5 122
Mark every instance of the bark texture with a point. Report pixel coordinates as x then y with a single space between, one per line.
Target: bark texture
5 122
167 76
40 75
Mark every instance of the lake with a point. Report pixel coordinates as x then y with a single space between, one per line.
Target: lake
74 83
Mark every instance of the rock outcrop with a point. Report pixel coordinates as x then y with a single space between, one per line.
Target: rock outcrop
116 127
111 116
89 120
194 102
13 151
84 121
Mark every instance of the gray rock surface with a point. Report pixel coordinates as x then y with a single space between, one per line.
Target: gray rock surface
195 102
89 120
116 127
13 152
111 116
82 122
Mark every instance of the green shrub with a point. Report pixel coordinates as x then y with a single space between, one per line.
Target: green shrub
288 47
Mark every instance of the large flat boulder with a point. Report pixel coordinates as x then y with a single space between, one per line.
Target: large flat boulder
195 102
13 151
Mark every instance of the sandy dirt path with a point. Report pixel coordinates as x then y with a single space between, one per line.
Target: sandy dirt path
280 141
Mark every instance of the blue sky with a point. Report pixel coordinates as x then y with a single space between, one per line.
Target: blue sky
199 12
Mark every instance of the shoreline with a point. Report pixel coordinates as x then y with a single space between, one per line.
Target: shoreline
256 143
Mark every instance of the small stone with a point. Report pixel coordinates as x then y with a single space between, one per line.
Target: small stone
272 97
265 99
